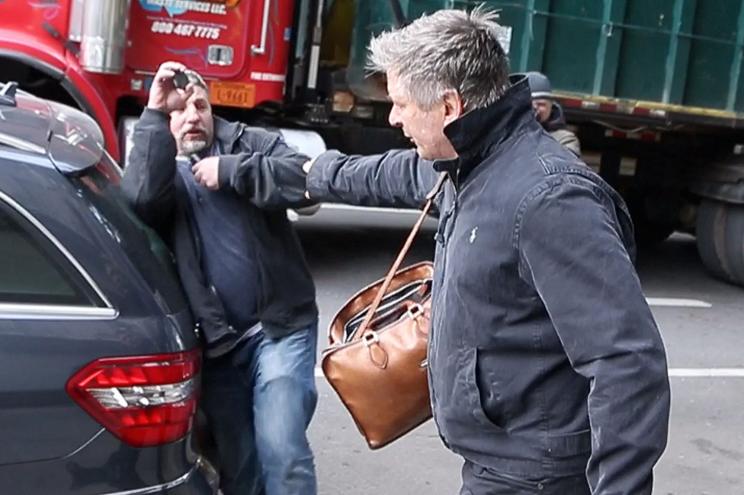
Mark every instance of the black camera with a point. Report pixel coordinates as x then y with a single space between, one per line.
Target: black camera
180 79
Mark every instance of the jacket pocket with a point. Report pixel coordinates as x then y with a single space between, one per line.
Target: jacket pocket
503 480
481 391
570 444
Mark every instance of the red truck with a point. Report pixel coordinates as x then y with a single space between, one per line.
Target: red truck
100 55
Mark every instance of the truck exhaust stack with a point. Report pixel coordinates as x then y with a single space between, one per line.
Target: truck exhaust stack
104 28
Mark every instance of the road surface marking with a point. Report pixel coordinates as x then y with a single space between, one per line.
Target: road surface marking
677 303
706 372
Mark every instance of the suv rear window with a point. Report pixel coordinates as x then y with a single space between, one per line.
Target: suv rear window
100 185
33 271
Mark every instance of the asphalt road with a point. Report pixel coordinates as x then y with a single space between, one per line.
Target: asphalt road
701 320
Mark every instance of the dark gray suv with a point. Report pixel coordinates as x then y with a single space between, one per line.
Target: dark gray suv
99 361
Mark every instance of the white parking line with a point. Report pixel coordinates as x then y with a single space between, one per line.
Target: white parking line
677 303
673 372
706 372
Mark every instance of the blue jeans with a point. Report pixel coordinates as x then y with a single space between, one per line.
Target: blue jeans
259 400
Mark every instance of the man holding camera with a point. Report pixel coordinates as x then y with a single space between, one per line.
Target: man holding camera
192 178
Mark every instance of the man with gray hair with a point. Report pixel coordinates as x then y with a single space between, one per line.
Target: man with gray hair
546 370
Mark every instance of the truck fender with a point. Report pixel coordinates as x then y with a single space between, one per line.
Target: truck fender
90 100
65 70
721 181
720 217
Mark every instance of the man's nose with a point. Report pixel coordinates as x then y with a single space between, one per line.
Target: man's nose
394 118
191 114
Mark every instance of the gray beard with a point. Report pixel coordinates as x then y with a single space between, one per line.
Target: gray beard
192 146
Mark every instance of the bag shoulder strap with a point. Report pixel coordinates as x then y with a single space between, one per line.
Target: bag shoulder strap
404 250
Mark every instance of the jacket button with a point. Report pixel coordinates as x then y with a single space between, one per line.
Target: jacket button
540 486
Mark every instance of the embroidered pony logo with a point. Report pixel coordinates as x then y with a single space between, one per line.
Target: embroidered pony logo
473 235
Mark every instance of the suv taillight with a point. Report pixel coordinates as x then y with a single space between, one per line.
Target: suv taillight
143 400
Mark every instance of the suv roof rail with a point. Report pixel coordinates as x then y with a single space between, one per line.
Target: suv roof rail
8 92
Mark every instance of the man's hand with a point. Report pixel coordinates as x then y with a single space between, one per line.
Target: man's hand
206 172
164 96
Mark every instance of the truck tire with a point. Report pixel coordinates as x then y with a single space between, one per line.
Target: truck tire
720 239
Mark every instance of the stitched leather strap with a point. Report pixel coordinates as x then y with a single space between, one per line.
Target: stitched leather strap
404 250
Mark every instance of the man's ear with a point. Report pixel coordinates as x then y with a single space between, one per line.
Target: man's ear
453 106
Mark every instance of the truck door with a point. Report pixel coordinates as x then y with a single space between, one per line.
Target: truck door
241 47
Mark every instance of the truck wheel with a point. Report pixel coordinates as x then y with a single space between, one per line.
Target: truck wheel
720 239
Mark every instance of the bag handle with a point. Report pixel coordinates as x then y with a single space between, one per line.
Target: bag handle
404 250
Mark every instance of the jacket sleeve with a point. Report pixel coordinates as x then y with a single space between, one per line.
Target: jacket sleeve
570 241
267 172
148 182
398 178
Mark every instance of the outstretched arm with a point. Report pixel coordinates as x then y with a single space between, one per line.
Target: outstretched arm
397 178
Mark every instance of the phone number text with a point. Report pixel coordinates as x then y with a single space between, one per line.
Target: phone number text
187 30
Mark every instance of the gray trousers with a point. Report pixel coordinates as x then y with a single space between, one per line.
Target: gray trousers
477 480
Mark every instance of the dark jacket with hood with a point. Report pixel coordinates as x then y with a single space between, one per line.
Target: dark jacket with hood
286 296
556 127
544 358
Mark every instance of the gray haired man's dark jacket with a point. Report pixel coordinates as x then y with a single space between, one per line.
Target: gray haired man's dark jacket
255 163
544 358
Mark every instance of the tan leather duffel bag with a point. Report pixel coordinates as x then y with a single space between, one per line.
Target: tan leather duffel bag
376 361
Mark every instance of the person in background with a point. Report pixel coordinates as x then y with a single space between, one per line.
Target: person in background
549 113
244 274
